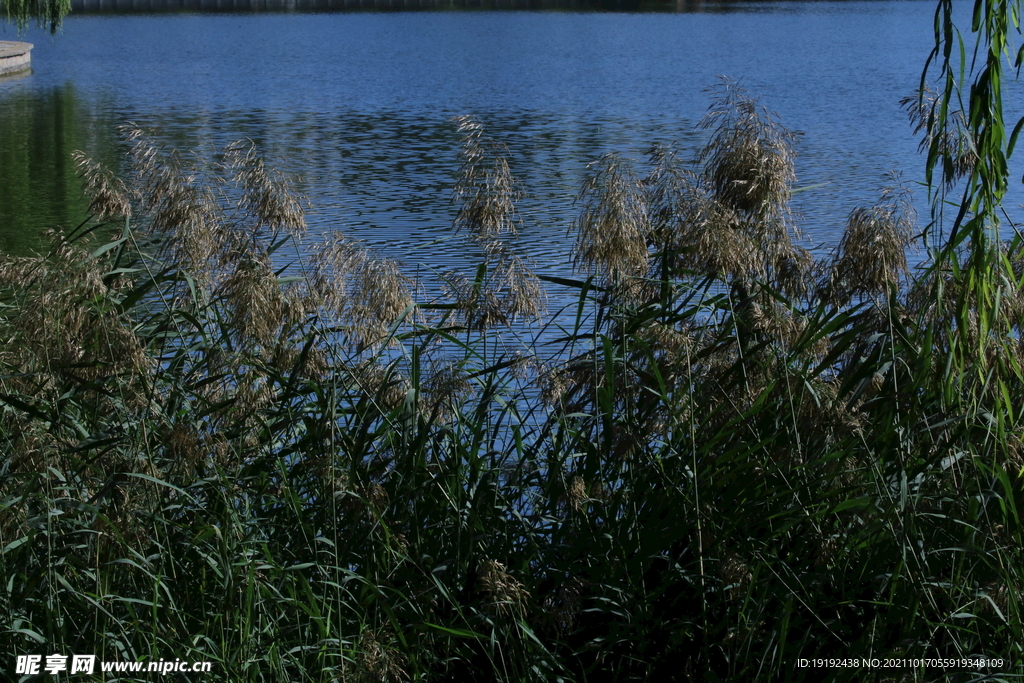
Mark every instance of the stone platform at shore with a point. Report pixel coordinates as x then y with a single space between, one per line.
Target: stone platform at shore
15 57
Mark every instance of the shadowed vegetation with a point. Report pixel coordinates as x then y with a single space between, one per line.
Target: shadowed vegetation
728 456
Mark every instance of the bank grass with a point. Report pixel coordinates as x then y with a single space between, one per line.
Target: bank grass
729 455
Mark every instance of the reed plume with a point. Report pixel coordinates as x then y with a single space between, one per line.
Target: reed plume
613 226
505 288
871 258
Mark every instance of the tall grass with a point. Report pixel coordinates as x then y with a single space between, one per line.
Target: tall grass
218 449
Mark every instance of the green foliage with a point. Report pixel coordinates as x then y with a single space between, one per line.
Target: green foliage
732 457
45 12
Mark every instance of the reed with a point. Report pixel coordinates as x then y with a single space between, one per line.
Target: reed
742 457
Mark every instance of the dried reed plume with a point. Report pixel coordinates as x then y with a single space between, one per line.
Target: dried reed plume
382 384
257 303
510 291
562 608
518 288
365 293
749 172
175 208
486 190
506 288
749 159
613 225
476 305
499 589
379 661
871 258
954 145
732 220
183 206
64 320
709 238
109 197
446 386
267 196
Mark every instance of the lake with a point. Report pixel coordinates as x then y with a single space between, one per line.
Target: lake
357 106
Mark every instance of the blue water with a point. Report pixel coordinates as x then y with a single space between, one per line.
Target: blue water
357 106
